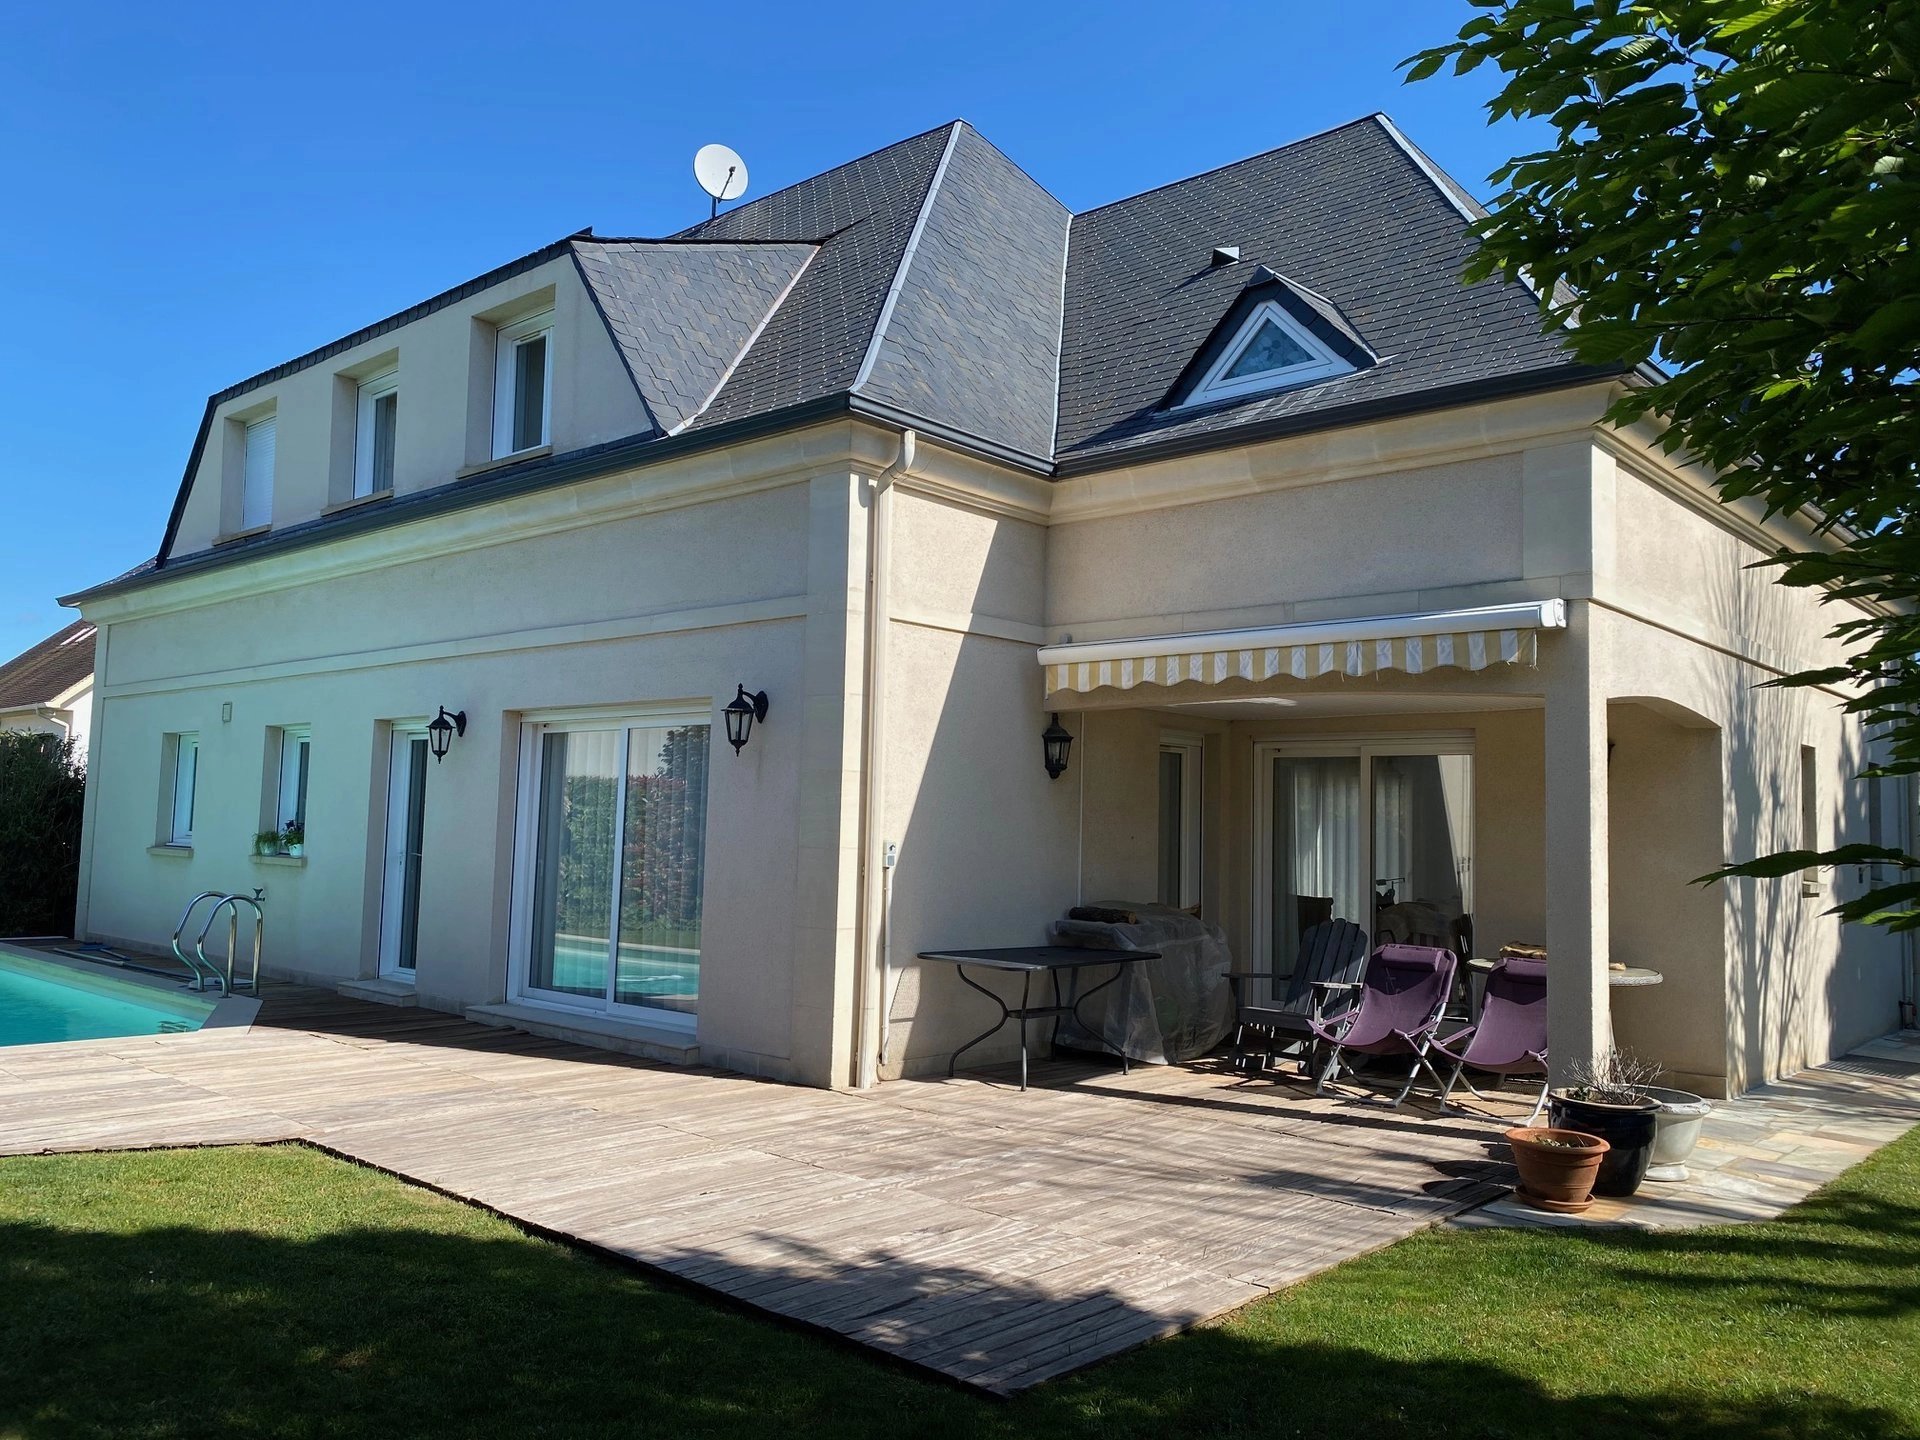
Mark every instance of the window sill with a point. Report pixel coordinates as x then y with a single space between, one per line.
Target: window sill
234 537
500 462
172 852
357 501
297 862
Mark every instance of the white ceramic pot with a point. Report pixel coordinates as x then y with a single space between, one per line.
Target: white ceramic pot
1676 1130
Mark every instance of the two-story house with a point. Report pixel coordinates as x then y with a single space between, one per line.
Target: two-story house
1326 561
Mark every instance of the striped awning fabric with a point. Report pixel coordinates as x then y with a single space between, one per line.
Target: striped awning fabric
1464 639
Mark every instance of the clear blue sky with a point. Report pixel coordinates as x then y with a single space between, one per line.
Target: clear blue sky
194 193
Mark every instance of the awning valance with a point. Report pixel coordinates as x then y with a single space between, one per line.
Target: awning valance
1465 639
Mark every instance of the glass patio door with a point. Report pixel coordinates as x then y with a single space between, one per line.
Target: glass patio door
405 852
1377 833
615 842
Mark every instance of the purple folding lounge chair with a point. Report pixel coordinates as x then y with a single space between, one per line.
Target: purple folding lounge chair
1511 1036
1402 995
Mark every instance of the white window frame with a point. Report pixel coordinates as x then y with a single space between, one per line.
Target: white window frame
526 840
507 343
1365 748
371 392
1324 364
1192 752
256 487
181 756
290 794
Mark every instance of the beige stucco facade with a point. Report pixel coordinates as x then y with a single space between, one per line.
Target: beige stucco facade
1636 753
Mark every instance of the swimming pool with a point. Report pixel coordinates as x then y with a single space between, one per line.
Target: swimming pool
44 1000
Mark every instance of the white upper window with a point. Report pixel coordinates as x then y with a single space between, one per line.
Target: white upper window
296 749
183 772
1272 352
522 384
379 413
256 487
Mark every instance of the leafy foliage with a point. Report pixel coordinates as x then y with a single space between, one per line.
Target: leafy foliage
1732 195
42 789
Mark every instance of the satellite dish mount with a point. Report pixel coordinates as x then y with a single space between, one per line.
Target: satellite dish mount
721 173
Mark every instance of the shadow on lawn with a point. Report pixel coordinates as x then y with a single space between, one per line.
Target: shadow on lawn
410 1332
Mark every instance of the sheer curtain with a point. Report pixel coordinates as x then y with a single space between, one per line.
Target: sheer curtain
1317 814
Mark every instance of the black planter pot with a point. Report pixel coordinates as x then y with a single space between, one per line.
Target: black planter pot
1628 1129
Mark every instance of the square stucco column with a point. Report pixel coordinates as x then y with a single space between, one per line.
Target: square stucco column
1578 1022
825 902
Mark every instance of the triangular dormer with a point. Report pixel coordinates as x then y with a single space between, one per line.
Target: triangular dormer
1278 335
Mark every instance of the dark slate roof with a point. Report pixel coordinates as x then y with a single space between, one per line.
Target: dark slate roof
934 284
973 339
862 214
1350 214
53 667
681 314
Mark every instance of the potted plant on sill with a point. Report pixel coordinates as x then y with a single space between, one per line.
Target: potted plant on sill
295 838
1557 1167
1609 1098
267 842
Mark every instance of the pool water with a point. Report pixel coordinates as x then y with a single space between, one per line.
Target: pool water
42 1001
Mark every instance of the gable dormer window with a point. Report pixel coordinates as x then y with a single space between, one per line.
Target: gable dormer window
522 384
376 421
1272 351
256 474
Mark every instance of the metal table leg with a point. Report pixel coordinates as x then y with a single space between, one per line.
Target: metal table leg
953 1061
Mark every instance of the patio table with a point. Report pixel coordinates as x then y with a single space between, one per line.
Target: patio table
1626 977
1026 962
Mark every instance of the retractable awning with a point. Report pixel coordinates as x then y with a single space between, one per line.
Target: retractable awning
1464 639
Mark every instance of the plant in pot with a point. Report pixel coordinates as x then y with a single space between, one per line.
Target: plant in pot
295 836
1557 1167
1609 1098
267 842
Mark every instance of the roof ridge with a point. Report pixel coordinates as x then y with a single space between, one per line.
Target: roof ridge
1230 164
682 239
881 321
688 233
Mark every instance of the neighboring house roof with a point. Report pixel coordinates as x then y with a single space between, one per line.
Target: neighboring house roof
934 284
47 672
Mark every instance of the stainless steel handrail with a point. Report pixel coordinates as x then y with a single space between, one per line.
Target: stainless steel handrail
202 968
231 904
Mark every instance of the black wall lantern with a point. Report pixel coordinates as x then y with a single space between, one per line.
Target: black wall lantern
1057 740
442 729
741 712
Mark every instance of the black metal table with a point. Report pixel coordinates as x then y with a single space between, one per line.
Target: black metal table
1027 962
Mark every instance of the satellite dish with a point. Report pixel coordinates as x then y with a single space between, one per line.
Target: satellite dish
721 173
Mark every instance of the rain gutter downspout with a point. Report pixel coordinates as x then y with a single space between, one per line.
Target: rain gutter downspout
871 962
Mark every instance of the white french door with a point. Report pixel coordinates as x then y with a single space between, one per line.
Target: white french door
405 850
610 865
1377 832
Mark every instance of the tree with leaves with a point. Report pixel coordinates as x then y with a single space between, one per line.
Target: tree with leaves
43 787
1729 211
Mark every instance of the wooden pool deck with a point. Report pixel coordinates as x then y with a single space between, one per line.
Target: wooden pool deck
998 1238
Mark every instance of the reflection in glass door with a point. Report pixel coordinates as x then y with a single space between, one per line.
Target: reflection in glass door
618 859
1423 850
1378 834
1315 848
406 830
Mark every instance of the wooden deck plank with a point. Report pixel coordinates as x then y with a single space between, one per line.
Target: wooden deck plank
995 1236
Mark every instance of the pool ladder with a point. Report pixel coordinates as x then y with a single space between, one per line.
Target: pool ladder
205 970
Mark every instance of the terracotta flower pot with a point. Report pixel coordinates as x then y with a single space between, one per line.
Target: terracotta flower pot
1556 1166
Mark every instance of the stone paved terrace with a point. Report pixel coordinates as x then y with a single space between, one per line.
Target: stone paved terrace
1770 1148
995 1237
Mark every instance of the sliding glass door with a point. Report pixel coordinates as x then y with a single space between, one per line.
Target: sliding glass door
613 856
1377 834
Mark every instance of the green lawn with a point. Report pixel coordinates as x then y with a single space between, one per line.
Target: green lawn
279 1292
